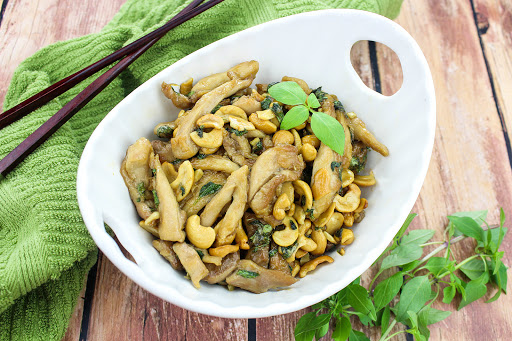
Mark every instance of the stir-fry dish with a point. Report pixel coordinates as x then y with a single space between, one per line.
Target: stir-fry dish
232 199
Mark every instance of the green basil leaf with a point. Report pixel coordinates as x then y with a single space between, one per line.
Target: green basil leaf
288 93
313 101
384 324
500 278
357 297
449 294
428 316
308 324
329 131
415 294
437 265
356 335
475 289
320 332
342 329
474 268
468 227
403 254
294 117
386 290
417 237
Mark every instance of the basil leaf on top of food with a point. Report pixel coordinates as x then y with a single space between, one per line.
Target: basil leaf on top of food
326 128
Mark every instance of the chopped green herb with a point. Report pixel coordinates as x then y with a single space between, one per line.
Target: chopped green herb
319 94
357 164
182 189
261 237
176 161
153 171
278 111
265 104
200 253
302 200
217 107
339 106
155 198
200 131
271 85
164 131
247 273
191 93
237 132
289 250
272 252
209 188
292 225
201 156
258 147
334 165
309 214
142 191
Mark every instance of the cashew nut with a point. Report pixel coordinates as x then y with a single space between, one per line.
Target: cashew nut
329 237
291 211
365 180
299 214
186 86
347 177
321 184
231 110
296 137
308 244
169 171
312 140
184 181
201 236
222 251
150 228
325 216
288 235
208 151
312 264
206 258
335 223
241 237
281 206
349 219
318 237
300 253
240 124
308 152
265 126
350 201
303 189
265 114
210 121
283 137
198 174
362 205
300 126
347 237
212 139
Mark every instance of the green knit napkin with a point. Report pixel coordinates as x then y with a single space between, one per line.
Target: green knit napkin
45 249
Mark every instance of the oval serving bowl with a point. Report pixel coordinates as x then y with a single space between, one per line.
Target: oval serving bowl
405 122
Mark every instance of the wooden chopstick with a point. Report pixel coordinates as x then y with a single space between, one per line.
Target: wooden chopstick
43 97
42 133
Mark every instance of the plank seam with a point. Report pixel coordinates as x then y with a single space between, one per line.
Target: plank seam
2 10
251 330
89 293
493 87
375 66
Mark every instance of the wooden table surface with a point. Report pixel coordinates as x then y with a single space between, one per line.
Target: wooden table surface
468 45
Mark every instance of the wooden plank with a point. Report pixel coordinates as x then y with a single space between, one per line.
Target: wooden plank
494 22
122 308
469 169
28 26
73 332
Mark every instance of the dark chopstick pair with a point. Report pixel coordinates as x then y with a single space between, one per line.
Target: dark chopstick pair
126 55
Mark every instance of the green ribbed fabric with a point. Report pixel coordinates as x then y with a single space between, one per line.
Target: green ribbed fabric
45 249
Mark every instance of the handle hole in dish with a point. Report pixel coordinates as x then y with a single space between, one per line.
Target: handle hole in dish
377 66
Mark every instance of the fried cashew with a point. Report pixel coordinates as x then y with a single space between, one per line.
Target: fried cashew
312 264
201 236
350 201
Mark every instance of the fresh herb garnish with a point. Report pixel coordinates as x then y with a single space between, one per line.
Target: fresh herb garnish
247 273
265 104
407 295
237 132
334 165
217 107
201 156
319 94
209 188
339 106
278 111
200 131
155 198
176 161
258 147
142 191
326 128
182 189
153 171
289 250
261 237
200 253
310 214
164 131
271 85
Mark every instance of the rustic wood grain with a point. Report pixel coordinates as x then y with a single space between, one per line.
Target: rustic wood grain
27 26
494 21
122 308
470 167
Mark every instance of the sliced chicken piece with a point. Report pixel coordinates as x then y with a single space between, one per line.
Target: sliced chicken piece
238 149
277 262
207 84
136 174
219 273
166 250
234 191
329 184
192 262
247 104
273 167
215 163
252 277
182 144
192 204
259 234
172 218
164 151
